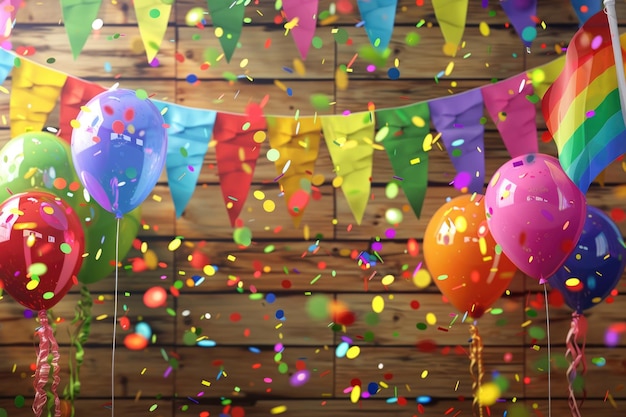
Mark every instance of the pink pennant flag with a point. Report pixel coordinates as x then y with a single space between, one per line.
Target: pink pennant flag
302 20
511 105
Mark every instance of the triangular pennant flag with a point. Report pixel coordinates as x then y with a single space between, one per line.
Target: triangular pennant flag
227 19
522 15
75 94
511 105
152 18
586 8
458 119
349 140
7 60
302 17
298 142
542 77
189 131
78 16
34 94
236 152
402 131
378 17
8 11
451 16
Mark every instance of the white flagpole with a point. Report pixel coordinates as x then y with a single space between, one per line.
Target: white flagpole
609 7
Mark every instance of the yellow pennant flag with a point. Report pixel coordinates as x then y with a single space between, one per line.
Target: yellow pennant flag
451 16
34 94
298 142
350 142
542 77
152 18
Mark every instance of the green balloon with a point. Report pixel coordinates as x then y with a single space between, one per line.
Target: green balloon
43 161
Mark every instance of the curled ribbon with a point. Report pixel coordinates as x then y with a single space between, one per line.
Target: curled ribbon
47 357
476 367
578 328
82 319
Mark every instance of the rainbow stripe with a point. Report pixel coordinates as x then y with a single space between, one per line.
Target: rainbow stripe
582 108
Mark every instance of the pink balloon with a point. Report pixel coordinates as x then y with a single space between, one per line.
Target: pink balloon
535 213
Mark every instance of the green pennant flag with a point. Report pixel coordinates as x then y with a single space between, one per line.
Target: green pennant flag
227 19
78 16
402 131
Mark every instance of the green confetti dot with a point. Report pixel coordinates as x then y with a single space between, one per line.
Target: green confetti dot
372 319
283 368
189 338
178 284
317 42
246 126
48 295
531 312
141 94
534 98
496 311
131 172
17 62
183 152
421 326
412 39
171 311
256 296
501 322
37 268
196 37
368 336
324 14
154 13
66 248
536 333
19 401
320 101
269 249
3 412
229 76
154 407
341 36
50 61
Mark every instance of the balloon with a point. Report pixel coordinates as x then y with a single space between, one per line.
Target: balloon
119 145
463 258
41 248
595 266
535 212
42 161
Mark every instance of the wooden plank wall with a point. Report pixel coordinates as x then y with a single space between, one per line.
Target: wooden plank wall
243 369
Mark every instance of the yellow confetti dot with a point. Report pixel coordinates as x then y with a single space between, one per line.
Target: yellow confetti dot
418 121
387 280
449 68
243 63
337 182
219 32
353 352
151 259
317 179
259 136
488 393
382 133
174 244
74 123
209 270
572 282
431 319
427 144
278 409
483 27
424 374
259 195
355 394
32 284
269 206
461 224
422 278
378 304
341 79
298 67
450 49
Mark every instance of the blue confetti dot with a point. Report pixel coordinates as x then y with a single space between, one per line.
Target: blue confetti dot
192 78
393 73
280 314
372 388
270 297
289 91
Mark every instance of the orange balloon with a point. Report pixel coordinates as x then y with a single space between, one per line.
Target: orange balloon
463 258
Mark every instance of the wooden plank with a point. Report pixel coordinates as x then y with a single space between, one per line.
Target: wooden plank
253 374
117 47
101 407
500 58
95 374
234 319
275 52
403 368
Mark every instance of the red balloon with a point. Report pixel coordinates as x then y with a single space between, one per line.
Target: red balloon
41 248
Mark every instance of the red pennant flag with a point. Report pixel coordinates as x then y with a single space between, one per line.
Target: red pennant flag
75 93
236 153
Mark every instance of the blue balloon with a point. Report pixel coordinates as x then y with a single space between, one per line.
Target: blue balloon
595 266
119 147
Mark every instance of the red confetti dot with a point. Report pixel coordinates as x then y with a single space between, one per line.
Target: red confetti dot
419 3
427 346
286 284
415 304
268 43
567 245
555 299
388 376
179 57
118 127
355 382
108 109
527 380
321 265
618 215
237 412
344 7
125 323
74 186
584 8
300 365
129 115
235 317
278 19
546 137
401 401
204 414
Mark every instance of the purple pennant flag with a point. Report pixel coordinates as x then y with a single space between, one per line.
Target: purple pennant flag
457 118
521 13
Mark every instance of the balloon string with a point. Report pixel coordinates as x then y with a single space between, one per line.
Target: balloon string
476 367
578 328
47 346
545 295
117 251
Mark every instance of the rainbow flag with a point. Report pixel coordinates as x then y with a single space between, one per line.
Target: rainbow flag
582 108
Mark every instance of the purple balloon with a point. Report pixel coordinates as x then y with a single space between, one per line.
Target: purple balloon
535 213
119 149
595 266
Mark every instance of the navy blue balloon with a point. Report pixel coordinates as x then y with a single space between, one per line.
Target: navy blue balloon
595 266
